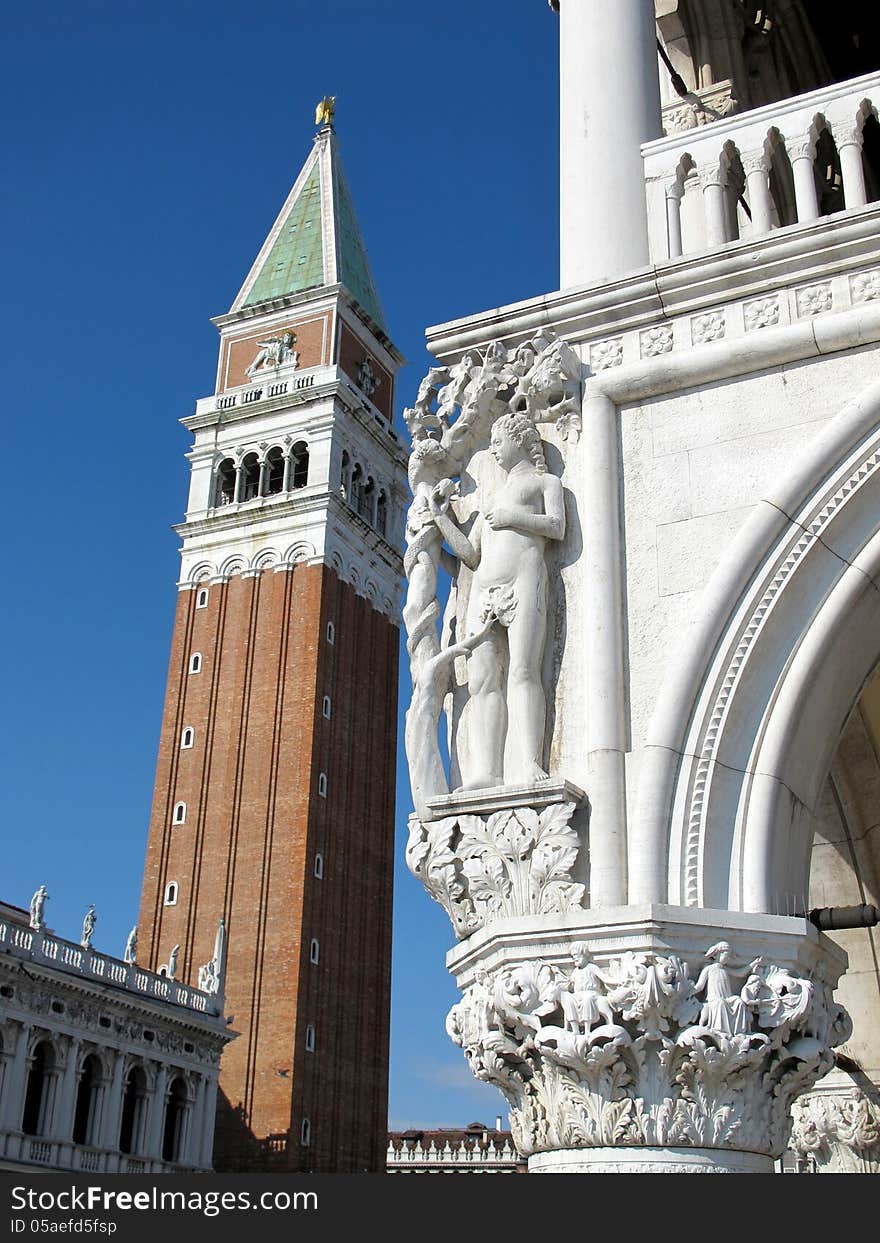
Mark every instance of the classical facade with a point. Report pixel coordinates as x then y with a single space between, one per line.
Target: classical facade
274 798
655 494
104 1067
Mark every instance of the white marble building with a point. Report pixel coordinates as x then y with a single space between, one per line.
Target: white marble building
104 1067
635 956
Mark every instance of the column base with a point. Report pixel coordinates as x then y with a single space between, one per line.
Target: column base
649 1161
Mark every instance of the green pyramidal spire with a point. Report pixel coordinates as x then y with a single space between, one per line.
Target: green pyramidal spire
316 240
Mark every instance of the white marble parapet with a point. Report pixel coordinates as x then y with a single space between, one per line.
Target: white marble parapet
29 944
698 180
500 798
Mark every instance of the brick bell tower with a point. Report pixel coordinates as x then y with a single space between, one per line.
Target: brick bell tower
274 798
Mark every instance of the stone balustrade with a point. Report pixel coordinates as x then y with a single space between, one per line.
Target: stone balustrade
745 175
465 1157
42 947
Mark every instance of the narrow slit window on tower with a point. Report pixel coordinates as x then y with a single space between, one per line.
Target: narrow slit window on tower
319 866
314 951
331 633
171 893
326 708
305 1135
195 662
179 816
310 1038
187 738
202 598
322 784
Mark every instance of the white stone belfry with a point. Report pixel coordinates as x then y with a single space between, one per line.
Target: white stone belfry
668 474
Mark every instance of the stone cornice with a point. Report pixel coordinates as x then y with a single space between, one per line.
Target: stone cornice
795 255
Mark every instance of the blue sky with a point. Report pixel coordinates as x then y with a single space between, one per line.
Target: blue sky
148 148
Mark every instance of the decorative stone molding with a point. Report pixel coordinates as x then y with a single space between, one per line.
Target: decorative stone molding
846 134
762 313
514 861
654 341
707 327
606 354
865 286
814 299
644 1052
837 1132
801 148
700 108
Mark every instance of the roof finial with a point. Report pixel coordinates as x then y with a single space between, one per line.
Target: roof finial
325 110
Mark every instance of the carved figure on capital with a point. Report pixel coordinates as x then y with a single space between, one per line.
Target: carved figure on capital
583 1000
485 508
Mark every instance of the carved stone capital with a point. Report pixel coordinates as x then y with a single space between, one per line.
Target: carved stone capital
755 162
802 148
846 134
712 177
517 860
643 1049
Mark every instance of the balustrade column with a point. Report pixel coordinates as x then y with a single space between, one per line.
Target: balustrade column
802 153
110 1121
673 220
62 1125
157 1114
848 139
239 480
16 1082
760 200
714 206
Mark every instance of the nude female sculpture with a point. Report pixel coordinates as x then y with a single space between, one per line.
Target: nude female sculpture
505 718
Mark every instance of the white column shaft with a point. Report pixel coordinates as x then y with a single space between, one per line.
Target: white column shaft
715 207
157 1114
609 106
62 1127
110 1121
673 225
16 1084
605 687
760 202
207 1150
854 191
805 196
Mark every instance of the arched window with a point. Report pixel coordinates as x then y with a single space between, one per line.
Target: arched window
224 483
299 455
345 475
274 472
86 1114
314 951
310 1038
175 1110
40 1089
132 1126
250 477
319 866
195 662
322 784
356 498
202 598
171 893
382 513
326 708
305 1134
187 738
179 814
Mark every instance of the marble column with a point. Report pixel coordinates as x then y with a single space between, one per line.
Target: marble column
16 1082
760 201
110 1121
206 1156
837 1126
62 1127
157 1114
674 245
714 206
610 105
848 139
802 153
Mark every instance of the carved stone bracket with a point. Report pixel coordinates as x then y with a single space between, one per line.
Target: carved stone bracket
639 1049
517 860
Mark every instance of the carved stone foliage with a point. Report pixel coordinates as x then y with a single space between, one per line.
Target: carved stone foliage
761 313
514 862
645 1052
708 327
837 1132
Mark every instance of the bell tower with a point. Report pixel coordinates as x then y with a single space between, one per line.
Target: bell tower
274 797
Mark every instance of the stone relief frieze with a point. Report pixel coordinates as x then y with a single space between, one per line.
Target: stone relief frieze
814 299
514 862
837 1132
643 1051
761 313
486 507
708 327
